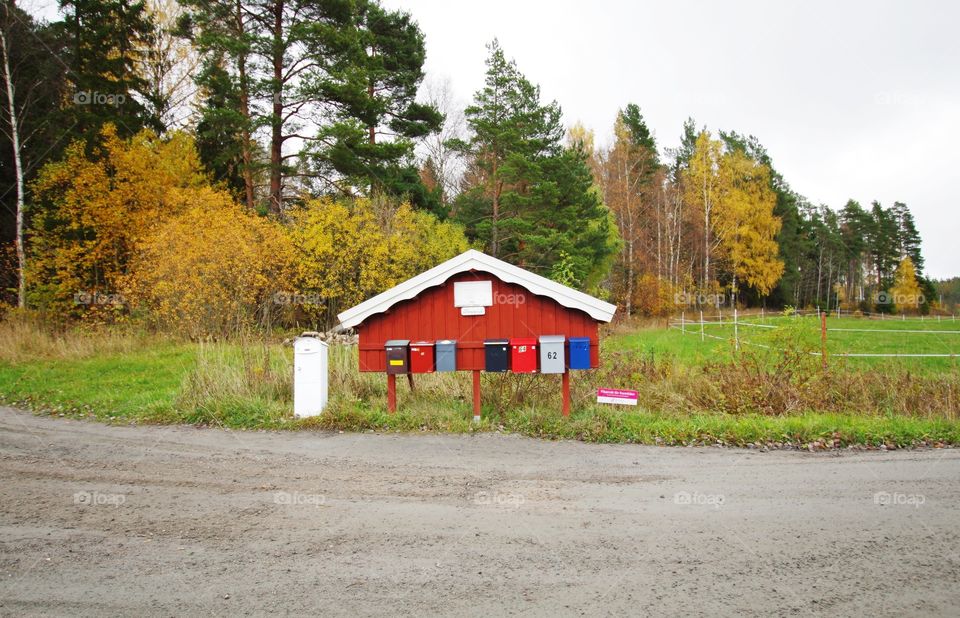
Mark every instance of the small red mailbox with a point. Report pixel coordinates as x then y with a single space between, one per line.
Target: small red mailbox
523 355
421 357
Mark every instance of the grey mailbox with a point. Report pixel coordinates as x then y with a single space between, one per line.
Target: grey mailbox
446 355
551 354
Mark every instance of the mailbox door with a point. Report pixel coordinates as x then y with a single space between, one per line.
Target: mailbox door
496 355
523 355
552 357
421 357
579 353
398 357
446 355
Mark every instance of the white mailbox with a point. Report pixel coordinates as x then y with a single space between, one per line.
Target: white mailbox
309 376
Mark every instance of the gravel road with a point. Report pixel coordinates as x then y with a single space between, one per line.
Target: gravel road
98 520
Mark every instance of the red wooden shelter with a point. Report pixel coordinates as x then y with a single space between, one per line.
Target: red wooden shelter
470 299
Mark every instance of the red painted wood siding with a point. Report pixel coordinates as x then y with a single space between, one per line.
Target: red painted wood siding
431 316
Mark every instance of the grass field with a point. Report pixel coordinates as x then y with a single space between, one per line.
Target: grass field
845 336
691 392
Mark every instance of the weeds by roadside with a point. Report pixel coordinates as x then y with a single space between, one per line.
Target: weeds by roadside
757 397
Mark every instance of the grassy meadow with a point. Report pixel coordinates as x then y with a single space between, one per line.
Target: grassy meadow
691 391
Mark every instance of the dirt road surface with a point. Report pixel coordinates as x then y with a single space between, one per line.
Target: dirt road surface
105 520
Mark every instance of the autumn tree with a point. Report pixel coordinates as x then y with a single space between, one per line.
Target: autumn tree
744 223
700 179
905 291
629 173
94 209
348 250
212 269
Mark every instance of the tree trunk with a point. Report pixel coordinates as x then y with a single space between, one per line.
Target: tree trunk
494 235
18 170
276 118
706 234
245 112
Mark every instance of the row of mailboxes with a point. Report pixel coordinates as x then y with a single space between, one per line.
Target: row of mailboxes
546 354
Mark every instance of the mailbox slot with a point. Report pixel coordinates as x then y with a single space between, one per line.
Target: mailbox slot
496 355
398 356
421 357
579 352
552 354
523 355
446 355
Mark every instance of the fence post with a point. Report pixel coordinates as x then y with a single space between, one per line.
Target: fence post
701 325
683 323
736 334
823 340
719 314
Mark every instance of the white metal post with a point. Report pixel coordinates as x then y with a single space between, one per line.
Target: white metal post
736 334
683 323
701 325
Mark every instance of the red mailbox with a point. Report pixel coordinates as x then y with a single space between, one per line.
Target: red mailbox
421 357
523 355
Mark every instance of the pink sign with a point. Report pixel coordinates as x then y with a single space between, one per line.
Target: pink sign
618 396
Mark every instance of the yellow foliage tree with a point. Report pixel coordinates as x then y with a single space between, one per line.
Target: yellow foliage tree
91 211
906 292
700 180
349 250
744 223
212 270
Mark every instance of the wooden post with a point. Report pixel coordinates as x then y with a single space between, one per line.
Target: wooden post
566 393
823 340
476 395
391 393
701 325
410 380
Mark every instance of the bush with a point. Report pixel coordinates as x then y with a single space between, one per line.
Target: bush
212 271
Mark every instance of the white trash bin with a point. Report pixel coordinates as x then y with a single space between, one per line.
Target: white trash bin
309 376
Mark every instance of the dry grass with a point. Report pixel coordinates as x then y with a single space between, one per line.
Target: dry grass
25 338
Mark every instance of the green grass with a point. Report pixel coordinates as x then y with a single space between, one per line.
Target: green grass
692 392
888 336
137 385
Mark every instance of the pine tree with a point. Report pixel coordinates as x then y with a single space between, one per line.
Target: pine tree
103 41
528 198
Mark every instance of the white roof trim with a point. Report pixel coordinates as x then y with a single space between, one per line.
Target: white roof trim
475 260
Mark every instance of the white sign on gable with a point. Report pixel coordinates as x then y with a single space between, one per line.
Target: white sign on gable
472 293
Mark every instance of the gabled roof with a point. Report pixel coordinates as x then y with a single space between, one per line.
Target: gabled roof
475 260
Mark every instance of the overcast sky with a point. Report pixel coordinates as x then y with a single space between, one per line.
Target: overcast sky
853 100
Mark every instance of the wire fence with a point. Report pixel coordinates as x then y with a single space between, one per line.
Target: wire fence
735 320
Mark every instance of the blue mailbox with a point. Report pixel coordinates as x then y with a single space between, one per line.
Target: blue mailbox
579 353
